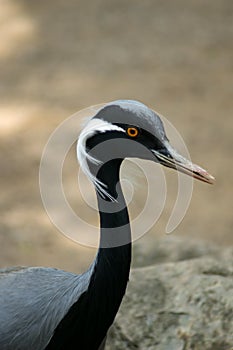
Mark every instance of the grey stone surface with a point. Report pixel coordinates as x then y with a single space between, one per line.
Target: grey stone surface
185 305
171 248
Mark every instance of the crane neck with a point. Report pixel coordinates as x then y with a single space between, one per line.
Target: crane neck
114 219
115 233
110 270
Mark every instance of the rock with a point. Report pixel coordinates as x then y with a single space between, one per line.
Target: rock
186 305
171 248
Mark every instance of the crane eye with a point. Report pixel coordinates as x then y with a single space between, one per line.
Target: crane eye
132 132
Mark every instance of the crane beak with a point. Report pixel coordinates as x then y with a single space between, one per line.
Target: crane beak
170 158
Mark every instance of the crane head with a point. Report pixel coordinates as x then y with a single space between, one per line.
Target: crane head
128 128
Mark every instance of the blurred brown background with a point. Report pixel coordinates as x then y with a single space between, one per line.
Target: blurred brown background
57 57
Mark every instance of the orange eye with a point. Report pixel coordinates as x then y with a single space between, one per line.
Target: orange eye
132 132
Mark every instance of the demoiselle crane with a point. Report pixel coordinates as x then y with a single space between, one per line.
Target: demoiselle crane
49 309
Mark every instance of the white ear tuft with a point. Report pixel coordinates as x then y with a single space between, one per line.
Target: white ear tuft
94 126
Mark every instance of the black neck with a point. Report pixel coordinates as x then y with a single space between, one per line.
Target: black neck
88 320
114 254
112 265
114 218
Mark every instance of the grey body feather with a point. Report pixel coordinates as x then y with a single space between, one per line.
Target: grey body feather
33 301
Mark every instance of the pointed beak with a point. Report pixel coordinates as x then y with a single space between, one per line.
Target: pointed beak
170 158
